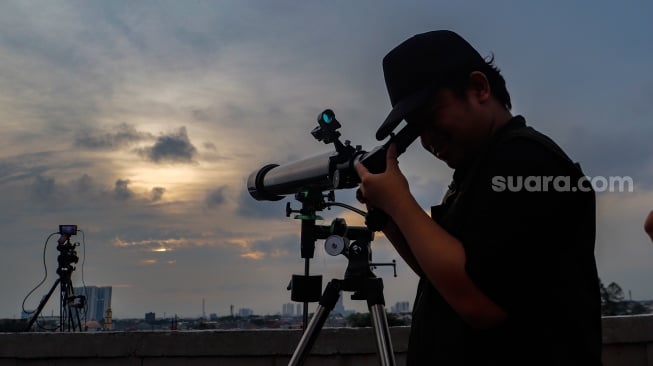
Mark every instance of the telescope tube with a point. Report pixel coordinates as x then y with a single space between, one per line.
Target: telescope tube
273 181
323 172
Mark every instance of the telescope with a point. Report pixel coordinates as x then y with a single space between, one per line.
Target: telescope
328 171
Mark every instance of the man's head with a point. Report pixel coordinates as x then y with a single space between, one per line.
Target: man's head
440 82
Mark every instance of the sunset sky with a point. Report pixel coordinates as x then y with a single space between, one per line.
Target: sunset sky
140 121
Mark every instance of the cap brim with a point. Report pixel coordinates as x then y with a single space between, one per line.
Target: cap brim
401 110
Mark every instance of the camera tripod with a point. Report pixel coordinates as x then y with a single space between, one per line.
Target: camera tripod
353 243
69 304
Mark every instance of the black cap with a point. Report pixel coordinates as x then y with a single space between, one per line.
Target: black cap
414 71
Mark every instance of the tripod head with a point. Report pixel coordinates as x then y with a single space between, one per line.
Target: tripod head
354 242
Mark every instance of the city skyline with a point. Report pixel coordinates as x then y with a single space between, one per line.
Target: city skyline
140 123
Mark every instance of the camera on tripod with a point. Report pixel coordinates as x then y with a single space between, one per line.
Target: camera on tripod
70 305
67 253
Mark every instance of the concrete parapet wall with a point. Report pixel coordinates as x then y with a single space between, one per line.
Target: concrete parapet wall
627 341
334 346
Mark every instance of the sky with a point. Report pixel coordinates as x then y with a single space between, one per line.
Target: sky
141 121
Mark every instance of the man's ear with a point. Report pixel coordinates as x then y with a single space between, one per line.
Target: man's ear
479 87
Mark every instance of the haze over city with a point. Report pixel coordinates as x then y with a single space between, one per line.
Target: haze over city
140 122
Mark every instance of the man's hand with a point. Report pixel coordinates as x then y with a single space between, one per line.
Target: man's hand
385 190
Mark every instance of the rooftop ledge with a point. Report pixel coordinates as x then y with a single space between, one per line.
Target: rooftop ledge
628 340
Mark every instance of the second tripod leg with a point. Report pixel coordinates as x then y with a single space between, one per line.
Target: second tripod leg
382 333
327 303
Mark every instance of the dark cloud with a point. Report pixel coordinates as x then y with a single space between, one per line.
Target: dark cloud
42 188
172 148
210 146
119 136
83 184
283 248
121 191
216 197
249 207
157 193
23 168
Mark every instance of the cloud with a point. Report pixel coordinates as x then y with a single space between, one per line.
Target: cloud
209 146
249 207
42 188
215 197
83 184
284 247
122 192
120 136
24 166
157 193
172 148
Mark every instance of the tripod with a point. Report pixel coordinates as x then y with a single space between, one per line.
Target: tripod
353 243
67 299
366 286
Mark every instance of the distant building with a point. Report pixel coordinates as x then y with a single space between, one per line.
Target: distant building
244 312
150 317
401 307
288 309
108 319
98 300
300 310
213 317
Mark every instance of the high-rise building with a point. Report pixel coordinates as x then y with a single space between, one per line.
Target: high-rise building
244 312
98 300
300 310
401 307
288 309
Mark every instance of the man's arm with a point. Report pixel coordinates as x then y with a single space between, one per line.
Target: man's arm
440 256
396 238
398 241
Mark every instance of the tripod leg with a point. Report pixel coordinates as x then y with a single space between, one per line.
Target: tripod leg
79 321
327 303
376 304
42 305
382 333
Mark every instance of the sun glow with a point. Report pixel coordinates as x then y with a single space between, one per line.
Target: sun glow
179 182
